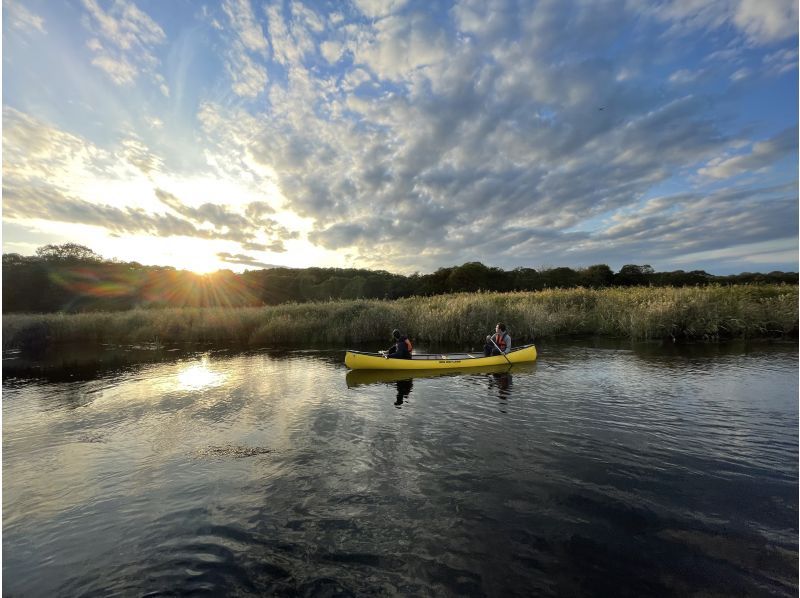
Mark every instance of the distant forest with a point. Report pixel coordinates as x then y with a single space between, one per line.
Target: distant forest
73 278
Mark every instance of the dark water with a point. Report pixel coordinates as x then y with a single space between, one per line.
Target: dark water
599 471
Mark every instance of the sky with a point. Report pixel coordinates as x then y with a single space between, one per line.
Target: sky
404 135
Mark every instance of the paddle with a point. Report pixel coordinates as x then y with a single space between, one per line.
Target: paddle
491 338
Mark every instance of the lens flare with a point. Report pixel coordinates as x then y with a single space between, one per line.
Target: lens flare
124 286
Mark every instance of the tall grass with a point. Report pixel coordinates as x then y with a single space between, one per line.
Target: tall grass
712 312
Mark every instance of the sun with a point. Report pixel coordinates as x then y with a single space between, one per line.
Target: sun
182 253
202 266
200 257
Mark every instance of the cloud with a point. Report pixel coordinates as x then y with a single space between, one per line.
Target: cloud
36 153
293 35
761 22
767 21
19 17
249 77
758 255
741 74
693 222
276 246
492 154
123 42
45 169
243 259
120 70
683 76
23 203
505 132
228 224
136 153
502 141
217 215
375 9
399 45
248 47
763 154
229 139
257 210
331 50
125 25
244 23
780 61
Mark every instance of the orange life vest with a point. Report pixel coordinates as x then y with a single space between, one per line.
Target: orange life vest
408 345
500 339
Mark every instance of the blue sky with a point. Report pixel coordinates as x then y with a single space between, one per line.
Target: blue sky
404 135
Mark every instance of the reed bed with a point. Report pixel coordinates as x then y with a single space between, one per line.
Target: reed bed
708 313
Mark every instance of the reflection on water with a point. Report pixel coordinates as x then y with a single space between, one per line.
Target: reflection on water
356 378
497 377
404 388
197 376
603 469
503 384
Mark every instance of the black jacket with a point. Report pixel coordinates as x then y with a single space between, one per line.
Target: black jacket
399 350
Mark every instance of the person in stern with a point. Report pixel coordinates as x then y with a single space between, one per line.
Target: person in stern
499 342
401 349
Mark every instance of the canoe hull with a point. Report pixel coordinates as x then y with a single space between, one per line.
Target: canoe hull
356 360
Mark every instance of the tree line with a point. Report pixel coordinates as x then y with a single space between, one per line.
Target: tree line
73 278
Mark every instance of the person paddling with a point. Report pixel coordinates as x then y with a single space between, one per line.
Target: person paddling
498 343
401 349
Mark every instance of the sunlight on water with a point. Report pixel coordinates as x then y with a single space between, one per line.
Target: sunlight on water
198 376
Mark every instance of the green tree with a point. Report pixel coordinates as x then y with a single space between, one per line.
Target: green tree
632 275
354 288
435 283
14 259
596 276
471 276
561 277
526 279
67 252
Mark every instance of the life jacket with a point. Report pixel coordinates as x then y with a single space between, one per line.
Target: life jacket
409 346
500 339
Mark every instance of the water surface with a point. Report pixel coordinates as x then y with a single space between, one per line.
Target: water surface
600 470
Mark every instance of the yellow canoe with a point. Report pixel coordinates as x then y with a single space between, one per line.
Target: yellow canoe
359 360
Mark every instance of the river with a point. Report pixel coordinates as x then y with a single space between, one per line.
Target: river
605 469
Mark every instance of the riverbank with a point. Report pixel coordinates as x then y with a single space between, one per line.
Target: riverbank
640 313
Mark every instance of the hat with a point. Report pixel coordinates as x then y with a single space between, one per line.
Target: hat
395 333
